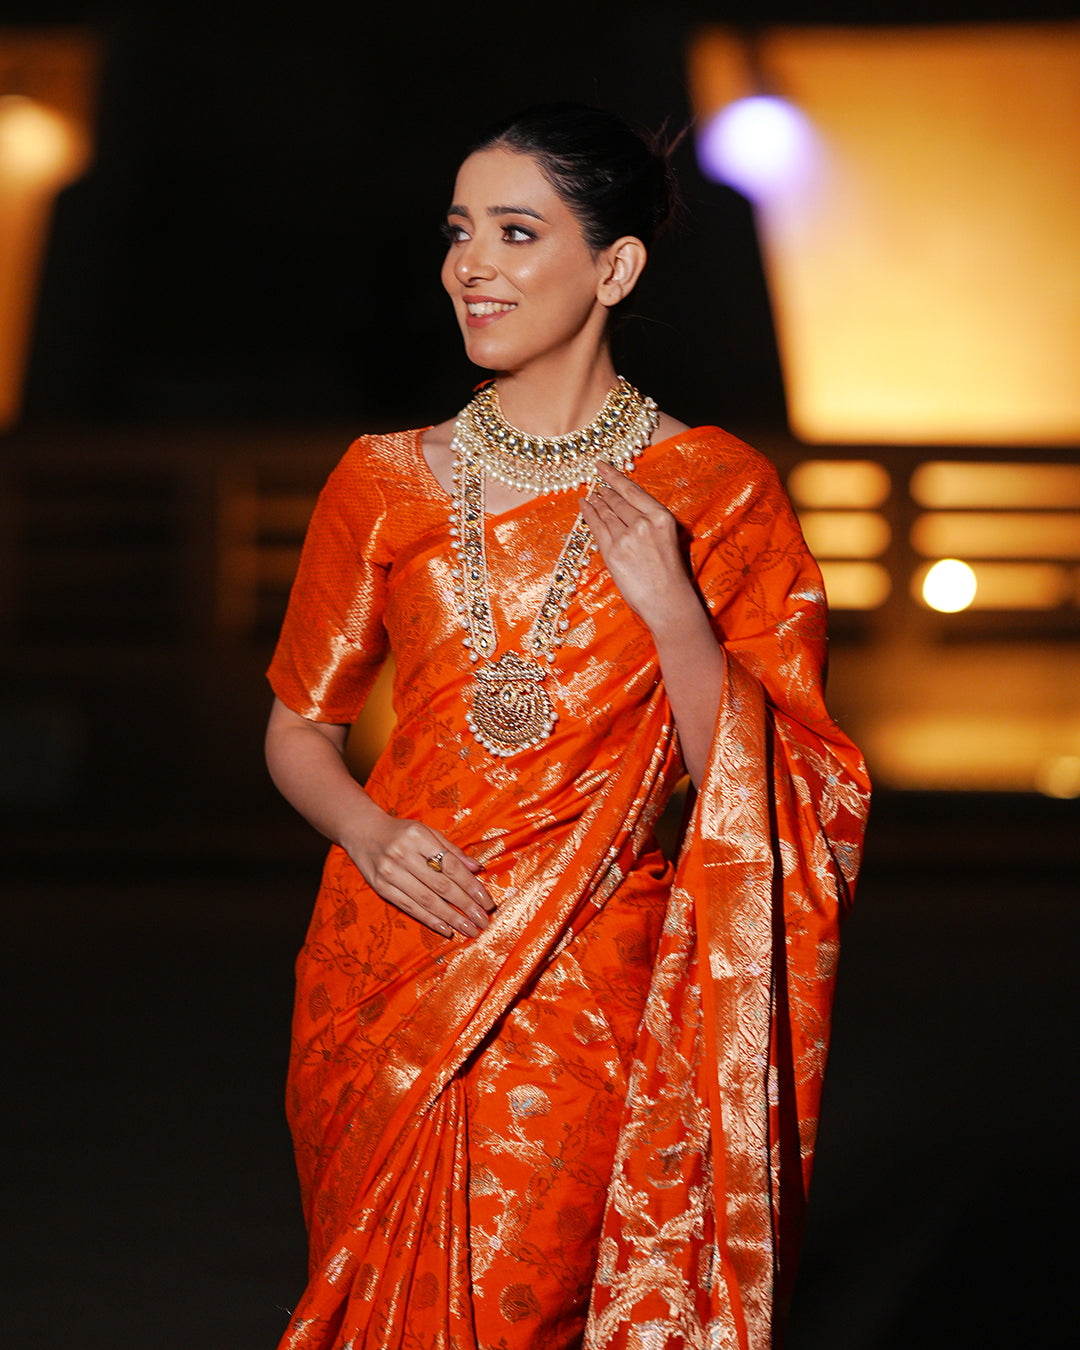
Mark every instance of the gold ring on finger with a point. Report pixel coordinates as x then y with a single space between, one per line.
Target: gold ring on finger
435 861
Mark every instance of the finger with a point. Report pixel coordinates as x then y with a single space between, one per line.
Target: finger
436 915
632 493
438 894
448 846
628 513
608 476
461 869
598 526
440 889
610 507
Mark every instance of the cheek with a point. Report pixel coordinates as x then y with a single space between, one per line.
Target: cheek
536 277
562 279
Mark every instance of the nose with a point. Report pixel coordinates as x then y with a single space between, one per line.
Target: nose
472 264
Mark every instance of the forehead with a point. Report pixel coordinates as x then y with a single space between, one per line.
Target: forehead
496 177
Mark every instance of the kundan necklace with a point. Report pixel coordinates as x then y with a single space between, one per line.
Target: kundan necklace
511 708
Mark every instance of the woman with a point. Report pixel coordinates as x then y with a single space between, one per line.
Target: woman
546 1088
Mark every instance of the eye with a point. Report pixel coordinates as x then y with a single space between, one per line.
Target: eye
518 234
453 234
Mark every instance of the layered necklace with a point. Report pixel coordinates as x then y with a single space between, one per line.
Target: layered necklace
511 708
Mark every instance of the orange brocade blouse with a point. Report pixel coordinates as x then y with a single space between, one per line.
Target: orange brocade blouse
593 1124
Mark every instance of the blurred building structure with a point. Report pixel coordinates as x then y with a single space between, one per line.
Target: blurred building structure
47 87
243 279
239 285
919 216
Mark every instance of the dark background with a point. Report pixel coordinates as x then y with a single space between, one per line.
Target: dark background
254 254
259 236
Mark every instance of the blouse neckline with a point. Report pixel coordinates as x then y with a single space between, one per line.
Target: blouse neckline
440 496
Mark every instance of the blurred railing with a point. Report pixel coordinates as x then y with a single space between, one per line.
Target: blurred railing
143 576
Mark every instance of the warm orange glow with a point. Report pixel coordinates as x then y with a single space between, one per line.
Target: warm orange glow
949 586
39 147
1019 585
44 145
849 483
999 752
855 585
845 534
998 534
1059 776
371 730
944 484
926 278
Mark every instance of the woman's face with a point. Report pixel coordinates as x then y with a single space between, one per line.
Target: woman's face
524 283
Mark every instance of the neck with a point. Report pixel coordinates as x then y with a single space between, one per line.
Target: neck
553 402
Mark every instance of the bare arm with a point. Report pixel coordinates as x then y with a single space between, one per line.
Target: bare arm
638 540
306 761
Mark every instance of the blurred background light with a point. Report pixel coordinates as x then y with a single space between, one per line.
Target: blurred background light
761 145
998 534
1021 585
943 483
845 534
1059 776
38 145
949 586
855 585
925 275
839 483
45 144
962 750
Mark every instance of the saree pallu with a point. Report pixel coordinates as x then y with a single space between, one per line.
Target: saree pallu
594 1123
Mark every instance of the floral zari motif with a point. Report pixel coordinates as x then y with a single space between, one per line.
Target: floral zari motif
594 1124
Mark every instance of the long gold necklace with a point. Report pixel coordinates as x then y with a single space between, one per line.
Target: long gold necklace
511 708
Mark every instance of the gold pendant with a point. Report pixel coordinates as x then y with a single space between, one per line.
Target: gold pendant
511 707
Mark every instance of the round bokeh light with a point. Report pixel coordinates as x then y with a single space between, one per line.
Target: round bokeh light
949 586
759 145
36 143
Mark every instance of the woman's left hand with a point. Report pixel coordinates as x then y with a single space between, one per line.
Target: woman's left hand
638 539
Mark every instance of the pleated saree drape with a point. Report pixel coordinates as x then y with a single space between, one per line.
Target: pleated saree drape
594 1123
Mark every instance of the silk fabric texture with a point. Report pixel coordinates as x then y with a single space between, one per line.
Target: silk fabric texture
594 1124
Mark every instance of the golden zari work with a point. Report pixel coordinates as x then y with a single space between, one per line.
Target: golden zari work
431 1079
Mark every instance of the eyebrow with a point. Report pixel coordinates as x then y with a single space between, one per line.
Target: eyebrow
463 211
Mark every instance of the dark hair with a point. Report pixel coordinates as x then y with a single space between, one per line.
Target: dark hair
614 181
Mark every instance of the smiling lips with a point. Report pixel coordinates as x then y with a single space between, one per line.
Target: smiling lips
482 310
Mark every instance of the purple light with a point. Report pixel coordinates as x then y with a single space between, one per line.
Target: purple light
758 145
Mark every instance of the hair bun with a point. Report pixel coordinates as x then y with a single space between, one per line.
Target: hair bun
615 181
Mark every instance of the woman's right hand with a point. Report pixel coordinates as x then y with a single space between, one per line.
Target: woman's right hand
393 857
307 762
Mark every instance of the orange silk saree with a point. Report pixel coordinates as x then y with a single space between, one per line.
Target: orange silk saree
594 1124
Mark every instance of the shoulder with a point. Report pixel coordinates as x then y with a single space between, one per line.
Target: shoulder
393 455
706 469
375 490
668 427
435 447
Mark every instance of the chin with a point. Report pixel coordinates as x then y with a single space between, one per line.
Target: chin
487 355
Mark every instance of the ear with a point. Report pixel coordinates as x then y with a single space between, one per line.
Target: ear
620 264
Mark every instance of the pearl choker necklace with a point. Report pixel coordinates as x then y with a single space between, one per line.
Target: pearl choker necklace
556 463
